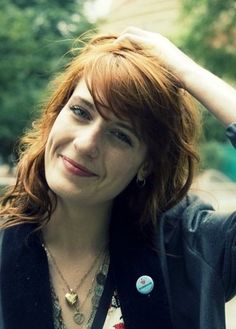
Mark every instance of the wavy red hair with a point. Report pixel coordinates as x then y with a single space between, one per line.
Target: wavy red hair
130 82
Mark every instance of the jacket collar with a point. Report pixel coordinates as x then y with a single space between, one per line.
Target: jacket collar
131 259
25 287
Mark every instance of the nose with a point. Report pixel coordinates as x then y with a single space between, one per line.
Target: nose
88 141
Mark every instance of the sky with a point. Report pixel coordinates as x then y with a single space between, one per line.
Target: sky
97 9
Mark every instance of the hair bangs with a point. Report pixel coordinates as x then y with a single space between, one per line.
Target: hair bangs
117 87
129 82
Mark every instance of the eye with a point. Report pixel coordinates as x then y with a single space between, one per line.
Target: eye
122 137
80 112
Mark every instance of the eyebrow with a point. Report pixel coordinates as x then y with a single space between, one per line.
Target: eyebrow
91 106
128 127
84 101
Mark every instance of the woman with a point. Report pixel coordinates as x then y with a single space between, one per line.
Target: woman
110 237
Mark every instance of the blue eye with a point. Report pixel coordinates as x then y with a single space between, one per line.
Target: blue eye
124 138
80 112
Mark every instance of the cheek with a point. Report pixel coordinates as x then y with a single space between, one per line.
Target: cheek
123 165
122 173
49 147
123 169
58 133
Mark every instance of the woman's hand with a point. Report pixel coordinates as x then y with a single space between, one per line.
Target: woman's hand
215 94
169 55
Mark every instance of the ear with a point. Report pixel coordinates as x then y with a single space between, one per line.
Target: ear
144 171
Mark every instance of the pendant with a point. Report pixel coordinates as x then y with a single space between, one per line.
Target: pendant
71 298
95 301
101 278
98 290
78 317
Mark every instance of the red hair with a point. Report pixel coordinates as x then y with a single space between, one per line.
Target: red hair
130 82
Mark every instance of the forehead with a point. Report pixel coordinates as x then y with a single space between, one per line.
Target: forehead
82 91
83 96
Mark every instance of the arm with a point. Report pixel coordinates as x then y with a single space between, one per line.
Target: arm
215 94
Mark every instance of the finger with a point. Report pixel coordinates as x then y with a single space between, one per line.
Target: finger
133 39
133 30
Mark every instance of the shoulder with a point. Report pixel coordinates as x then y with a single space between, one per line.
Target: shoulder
196 232
196 226
192 215
15 237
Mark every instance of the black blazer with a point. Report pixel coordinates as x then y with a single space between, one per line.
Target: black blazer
25 287
190 289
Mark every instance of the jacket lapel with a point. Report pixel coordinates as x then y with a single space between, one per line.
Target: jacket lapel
130 260
25 286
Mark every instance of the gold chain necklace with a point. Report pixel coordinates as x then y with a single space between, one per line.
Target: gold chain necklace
71 296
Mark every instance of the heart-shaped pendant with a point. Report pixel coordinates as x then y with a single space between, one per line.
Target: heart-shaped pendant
71 298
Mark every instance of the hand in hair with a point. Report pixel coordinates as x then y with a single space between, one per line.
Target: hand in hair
216 95
162 48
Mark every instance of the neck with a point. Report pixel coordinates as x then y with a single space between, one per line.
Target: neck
77 229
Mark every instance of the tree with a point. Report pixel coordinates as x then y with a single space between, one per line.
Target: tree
209 35
34 36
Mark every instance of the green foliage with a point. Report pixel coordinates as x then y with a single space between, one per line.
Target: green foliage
209 36
212 155
34 36
220 156
213 130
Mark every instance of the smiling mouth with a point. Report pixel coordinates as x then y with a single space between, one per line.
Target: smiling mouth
77 169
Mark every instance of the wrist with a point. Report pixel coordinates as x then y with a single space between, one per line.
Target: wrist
188 72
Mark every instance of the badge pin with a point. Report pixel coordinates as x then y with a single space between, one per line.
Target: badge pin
144 284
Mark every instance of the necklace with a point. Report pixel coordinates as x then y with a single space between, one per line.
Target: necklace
71 296
96 289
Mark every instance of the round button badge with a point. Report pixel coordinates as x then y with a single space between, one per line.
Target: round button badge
144 284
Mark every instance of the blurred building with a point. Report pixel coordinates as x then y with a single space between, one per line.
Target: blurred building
154 15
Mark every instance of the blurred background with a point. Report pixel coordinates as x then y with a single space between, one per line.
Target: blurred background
35 36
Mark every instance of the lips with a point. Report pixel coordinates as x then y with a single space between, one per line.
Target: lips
77 169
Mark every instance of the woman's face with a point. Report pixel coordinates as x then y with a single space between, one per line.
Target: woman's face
88 159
